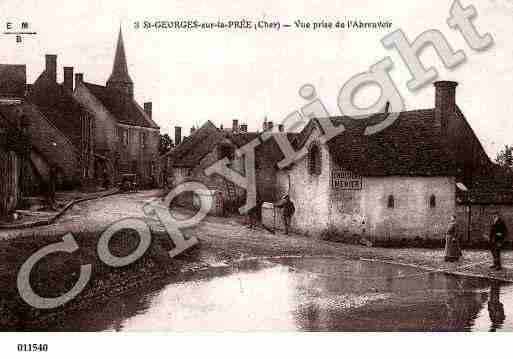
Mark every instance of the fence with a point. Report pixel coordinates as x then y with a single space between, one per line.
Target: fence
9 188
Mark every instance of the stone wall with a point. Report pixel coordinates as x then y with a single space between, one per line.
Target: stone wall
193 201
364 213
310 194
145 158
266 169
214 182
272 217
108 141
105 134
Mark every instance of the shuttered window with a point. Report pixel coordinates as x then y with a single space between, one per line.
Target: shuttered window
432 201
314 160
391 202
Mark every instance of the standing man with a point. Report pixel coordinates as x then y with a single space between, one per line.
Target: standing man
288 211
498 232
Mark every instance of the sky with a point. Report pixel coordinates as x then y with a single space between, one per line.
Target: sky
192 76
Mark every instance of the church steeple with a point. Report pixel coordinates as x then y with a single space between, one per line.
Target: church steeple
120 79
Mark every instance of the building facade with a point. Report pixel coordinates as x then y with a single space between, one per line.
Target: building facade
126 139
399 183
55 102
189 159
51 122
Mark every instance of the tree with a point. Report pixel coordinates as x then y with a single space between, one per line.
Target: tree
166 143
505 158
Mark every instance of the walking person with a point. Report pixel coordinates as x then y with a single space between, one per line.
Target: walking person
498 233
288 211
452 245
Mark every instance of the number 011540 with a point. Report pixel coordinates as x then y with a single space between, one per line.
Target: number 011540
32 347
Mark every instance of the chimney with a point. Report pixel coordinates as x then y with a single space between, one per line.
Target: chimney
235 125
445 103
178 135
244 128
148 108
79 78
280 127
68 78
51 67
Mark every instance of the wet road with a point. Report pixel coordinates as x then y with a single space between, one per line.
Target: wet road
92 216
226 290
308 294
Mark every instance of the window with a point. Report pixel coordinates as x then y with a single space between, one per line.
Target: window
432 201
142 139
314 160
391 202
186 172
124 134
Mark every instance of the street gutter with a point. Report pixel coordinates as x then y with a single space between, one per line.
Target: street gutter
48 221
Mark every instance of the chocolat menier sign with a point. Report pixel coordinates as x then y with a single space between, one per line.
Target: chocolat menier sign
345 180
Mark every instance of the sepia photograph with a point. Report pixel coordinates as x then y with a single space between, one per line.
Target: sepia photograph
254 167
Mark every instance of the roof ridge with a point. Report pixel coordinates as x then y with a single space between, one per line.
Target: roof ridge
372 114
108 97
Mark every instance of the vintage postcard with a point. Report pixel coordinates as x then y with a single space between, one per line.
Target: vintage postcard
193 166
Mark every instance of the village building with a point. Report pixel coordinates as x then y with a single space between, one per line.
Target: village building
33 138
56 103
82 135
401 183
12 90
126 139
190 157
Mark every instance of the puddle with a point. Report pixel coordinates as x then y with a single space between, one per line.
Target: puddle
305 294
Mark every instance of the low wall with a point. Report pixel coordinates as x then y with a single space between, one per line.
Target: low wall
272 217
193 201
474 222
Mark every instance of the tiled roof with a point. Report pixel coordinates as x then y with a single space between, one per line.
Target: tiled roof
62 111
208 136
240 138
121 106
36 119
190 152
410 146
12 80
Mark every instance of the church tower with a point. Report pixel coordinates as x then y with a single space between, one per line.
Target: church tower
120 79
